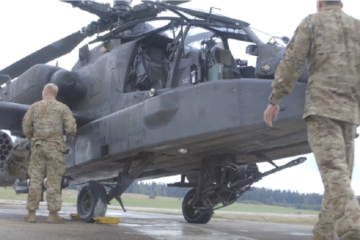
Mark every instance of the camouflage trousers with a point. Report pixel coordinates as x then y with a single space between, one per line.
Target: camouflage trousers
332 143
46 161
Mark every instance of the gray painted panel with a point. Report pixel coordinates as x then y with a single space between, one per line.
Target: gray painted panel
165 121
87 143
138 127
254 100
204 109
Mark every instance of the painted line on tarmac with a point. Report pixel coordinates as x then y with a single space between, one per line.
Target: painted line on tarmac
161 230
300 234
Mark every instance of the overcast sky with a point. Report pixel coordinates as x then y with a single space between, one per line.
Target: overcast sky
27 26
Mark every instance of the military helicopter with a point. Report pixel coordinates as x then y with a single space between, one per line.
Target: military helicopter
161 96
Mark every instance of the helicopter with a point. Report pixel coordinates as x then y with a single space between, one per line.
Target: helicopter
160 96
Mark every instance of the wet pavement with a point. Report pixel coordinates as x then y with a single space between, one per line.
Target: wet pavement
136 225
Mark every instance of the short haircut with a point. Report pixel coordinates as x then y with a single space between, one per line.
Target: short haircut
332 2
51 88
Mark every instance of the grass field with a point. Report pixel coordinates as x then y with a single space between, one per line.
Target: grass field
248 212
176 204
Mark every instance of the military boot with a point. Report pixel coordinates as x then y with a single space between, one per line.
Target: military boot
55 218
31 217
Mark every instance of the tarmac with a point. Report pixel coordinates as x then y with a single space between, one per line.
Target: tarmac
139 225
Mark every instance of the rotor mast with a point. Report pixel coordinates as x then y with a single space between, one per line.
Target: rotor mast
122 5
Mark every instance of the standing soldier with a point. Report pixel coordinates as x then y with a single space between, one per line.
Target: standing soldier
330 41
43 124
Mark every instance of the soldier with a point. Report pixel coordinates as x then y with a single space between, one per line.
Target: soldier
330 41
43 124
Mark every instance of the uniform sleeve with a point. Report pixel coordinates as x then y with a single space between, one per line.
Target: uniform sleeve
69 125
28 123
292 63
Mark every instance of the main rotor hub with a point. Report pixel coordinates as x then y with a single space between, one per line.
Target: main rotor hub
122 6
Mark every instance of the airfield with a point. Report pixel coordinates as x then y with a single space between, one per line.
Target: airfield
140 225
157 219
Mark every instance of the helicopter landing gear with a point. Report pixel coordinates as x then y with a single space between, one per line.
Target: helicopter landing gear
126 178
191 214
91 202
220 182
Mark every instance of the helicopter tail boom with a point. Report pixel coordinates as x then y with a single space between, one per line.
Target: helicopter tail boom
15 112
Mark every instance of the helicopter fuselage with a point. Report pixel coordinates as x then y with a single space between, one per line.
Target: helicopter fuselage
213 117
154 102
220 116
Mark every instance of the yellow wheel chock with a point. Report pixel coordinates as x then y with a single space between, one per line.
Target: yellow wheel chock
74 216
99 220
106 220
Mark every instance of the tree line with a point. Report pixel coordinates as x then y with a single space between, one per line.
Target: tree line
283 198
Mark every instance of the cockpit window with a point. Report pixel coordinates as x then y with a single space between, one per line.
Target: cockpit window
232 31
197 37
145 27
268 38
238 49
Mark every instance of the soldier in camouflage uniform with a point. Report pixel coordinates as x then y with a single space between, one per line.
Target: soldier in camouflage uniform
330 41
43 124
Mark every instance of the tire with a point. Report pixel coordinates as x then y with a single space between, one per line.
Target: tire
91 201
190 214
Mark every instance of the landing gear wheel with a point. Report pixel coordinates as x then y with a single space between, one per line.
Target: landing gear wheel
91 201
192 215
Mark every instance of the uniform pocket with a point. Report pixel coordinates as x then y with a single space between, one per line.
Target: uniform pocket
60 162
61 168
56 160
314 126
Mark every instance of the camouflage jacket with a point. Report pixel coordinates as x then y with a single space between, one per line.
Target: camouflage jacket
44 122
330 42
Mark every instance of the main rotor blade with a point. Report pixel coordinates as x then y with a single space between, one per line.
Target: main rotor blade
175 2
44 55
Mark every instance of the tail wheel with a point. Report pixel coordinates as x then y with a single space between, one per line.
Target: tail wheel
91 201
192 215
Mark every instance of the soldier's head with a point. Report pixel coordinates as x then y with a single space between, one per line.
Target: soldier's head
322 4
50 90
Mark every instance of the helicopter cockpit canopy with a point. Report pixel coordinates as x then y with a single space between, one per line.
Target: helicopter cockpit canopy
193 37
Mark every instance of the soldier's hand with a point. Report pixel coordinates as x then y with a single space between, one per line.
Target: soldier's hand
271 112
